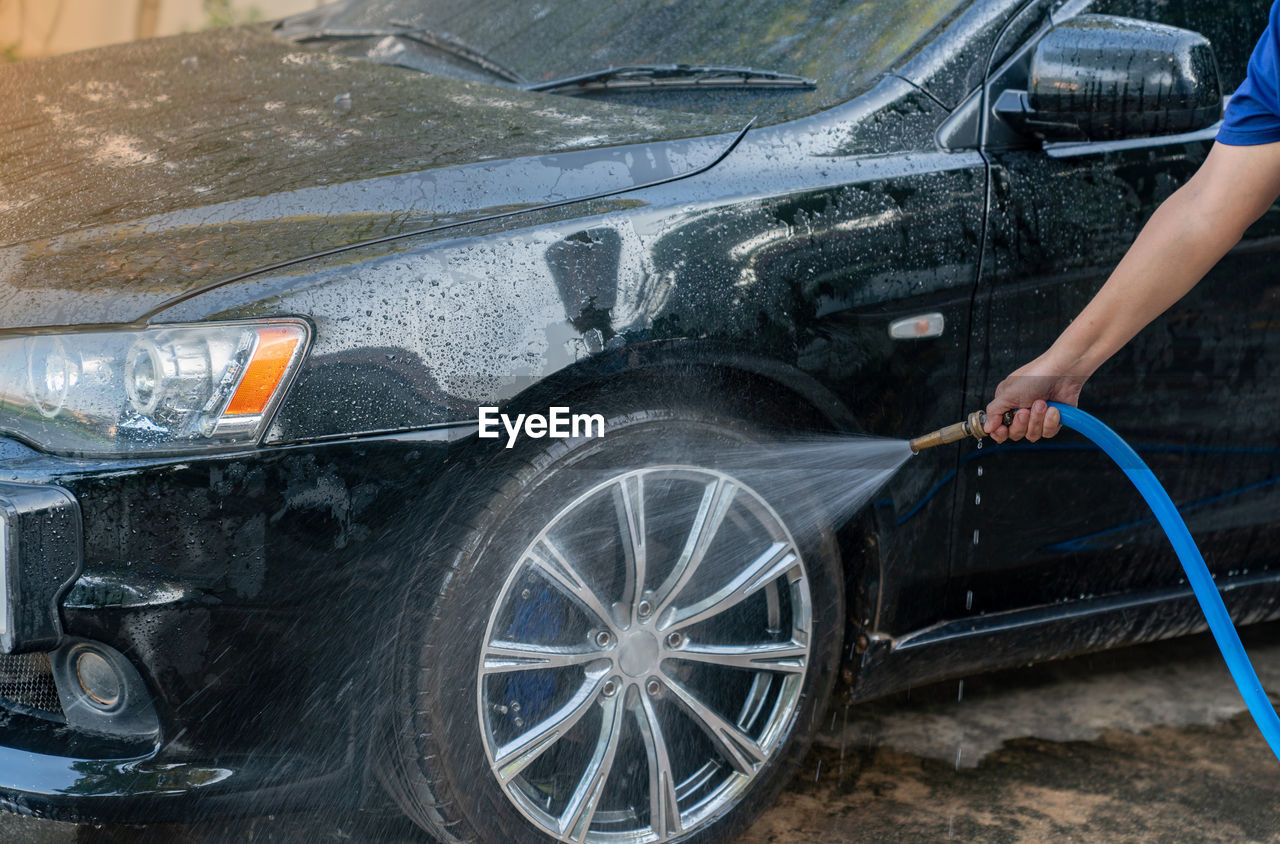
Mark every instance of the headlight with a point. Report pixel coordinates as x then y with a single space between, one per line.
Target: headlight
162 389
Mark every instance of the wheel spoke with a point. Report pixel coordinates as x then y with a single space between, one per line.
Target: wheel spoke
738 748
763 570
577 816
781 657
516 755
628 499
551 562
717 497
500 657
664 809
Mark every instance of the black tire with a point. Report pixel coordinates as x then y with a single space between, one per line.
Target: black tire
436 767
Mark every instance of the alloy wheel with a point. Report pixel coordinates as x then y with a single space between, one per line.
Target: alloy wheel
645 657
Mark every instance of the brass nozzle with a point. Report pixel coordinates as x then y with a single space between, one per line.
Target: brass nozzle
974 427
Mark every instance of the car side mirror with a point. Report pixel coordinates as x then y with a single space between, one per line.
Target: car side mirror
1104 78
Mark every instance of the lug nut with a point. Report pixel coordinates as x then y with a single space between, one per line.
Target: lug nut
603 639
653 687
644 609
674 640
610 688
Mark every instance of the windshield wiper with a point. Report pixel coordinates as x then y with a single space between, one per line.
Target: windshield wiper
441 41
687 76
627 77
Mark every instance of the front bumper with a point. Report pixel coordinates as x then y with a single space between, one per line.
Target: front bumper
144 789
252 594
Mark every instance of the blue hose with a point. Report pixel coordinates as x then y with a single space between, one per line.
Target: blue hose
1206 591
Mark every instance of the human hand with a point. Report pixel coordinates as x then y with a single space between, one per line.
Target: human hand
1027 391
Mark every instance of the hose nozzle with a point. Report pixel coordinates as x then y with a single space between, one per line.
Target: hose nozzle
974 426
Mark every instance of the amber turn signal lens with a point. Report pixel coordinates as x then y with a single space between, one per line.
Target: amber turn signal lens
276 347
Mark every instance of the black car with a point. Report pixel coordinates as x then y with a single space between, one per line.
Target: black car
263 289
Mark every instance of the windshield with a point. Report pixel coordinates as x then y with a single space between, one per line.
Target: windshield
843 45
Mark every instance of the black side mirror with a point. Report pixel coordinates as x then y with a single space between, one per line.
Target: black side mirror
1102 78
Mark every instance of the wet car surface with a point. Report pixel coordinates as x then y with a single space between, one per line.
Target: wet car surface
257 287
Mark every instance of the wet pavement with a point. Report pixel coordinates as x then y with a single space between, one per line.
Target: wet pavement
1145 744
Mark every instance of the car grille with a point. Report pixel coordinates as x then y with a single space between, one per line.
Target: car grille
27 680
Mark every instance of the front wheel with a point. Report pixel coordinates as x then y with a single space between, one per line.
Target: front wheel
632 645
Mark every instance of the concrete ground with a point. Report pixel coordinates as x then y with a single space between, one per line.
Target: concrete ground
1145 744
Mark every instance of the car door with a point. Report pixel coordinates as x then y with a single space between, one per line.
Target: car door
1195 393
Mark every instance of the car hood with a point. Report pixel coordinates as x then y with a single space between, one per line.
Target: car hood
139 173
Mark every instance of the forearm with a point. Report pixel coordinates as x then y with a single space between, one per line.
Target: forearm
1180 243
1175 249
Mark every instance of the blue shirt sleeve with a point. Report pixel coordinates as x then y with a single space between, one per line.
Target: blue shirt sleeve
1253 115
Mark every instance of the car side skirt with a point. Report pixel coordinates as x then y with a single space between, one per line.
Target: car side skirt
958 648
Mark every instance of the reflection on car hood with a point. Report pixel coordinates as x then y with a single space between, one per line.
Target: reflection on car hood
138 173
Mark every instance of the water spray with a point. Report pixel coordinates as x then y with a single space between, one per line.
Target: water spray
1206 591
